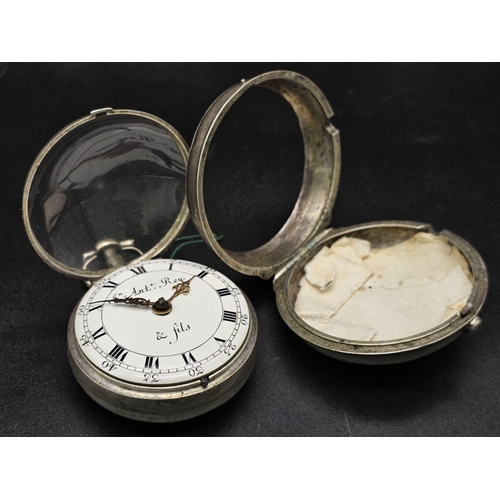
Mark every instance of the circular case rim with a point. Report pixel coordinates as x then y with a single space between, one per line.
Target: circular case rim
312 211
167 403
157 249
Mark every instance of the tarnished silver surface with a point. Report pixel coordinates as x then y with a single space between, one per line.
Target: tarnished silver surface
313 208
304 233
109 247
382 234
165 403
157 249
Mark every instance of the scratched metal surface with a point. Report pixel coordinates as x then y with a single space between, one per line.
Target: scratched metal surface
419 142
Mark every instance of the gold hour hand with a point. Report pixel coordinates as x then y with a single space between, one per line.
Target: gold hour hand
180 288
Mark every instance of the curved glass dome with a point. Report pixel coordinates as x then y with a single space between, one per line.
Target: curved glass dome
107 190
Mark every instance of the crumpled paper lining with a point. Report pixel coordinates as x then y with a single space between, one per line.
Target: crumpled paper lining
352 292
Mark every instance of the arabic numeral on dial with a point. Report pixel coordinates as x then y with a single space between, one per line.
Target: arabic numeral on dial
197 370
151 377
81 310
244 319
229 349
84 340
107 365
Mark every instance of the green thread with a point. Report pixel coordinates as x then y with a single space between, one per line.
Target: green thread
195 238
190 237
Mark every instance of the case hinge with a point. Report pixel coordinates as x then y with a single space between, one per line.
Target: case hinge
101 111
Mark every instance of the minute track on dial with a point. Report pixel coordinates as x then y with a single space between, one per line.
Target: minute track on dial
209 327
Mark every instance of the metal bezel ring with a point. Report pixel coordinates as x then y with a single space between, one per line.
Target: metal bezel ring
157 249
313 208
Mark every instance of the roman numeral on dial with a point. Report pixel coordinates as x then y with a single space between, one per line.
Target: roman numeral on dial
96 307
229 316
188 358
220 341
110 284
202 274
223 292
152 362
99 333
138 270
118 352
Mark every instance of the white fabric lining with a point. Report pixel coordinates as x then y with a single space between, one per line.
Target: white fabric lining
350 292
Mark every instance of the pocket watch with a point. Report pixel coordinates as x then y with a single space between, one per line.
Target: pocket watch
156 340
182 353
163 340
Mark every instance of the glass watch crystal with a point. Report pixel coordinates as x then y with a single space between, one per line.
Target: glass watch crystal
107 191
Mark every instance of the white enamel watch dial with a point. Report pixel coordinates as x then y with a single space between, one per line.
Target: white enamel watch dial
160 325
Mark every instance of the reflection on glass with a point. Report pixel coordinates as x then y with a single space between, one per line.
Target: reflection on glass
117 180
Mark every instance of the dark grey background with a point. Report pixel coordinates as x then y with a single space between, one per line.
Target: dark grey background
420 143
